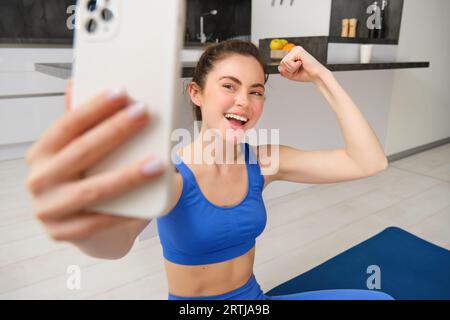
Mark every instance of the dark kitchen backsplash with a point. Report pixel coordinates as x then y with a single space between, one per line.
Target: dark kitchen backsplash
35 21
45 21
341 9
233 19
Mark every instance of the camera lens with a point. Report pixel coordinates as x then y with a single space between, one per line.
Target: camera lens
92 5
91 25
107 14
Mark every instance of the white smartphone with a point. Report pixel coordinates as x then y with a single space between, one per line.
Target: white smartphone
136 44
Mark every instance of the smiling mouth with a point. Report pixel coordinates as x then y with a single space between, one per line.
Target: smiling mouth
235 120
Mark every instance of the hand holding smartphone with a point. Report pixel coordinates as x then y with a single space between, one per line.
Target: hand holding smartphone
121 44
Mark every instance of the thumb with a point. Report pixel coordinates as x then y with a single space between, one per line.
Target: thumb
283 71
298 64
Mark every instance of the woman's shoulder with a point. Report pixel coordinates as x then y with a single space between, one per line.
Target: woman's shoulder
268 160
177 186
177 189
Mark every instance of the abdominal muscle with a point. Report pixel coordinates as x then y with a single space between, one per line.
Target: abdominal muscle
209 279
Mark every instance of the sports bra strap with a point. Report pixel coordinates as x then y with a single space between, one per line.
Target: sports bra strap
253 170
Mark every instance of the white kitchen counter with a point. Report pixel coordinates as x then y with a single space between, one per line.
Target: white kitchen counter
30 83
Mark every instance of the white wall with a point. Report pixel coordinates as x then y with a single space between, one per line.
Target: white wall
299 110
305 18
306 121
420 103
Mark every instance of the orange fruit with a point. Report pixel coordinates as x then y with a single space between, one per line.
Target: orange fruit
289 46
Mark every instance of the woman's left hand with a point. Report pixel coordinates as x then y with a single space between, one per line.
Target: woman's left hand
299 65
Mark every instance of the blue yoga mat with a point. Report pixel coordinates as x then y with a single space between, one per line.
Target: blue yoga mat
409 268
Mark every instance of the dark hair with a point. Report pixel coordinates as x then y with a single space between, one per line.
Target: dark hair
217 52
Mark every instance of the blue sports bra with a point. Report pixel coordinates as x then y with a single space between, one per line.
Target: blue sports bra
197 231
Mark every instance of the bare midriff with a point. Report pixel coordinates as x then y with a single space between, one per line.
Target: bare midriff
209 279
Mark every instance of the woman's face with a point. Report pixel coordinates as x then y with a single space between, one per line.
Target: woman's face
233 88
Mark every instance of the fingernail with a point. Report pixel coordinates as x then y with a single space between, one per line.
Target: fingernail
136 110
117 93
151 167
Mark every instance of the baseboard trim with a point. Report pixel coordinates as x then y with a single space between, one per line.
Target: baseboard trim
419 149
14 151
31 95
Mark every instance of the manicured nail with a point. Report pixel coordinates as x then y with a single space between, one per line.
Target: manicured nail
136 110
151 167
117 93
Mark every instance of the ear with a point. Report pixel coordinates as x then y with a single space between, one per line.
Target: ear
196 93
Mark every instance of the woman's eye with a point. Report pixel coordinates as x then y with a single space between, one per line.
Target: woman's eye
229 86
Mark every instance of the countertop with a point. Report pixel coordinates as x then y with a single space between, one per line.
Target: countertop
64 70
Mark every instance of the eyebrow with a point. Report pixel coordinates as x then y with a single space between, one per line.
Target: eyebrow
239 82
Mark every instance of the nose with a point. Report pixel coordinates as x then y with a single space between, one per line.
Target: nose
241 98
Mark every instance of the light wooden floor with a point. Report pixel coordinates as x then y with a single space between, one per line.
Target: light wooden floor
303 230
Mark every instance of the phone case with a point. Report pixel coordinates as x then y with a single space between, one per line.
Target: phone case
135 44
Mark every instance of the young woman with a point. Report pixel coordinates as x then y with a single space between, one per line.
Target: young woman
217 211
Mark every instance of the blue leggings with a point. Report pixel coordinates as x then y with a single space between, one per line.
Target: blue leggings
252 291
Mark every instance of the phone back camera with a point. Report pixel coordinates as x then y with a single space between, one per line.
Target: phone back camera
91 26
107 14
101 19
92 5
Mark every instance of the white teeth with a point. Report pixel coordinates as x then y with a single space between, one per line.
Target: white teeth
235 116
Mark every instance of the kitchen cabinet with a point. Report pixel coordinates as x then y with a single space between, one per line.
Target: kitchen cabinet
341 9
25 119
29 100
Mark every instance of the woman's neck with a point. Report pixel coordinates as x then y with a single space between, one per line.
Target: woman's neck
210 148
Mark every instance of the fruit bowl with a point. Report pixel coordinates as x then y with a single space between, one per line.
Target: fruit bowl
278 54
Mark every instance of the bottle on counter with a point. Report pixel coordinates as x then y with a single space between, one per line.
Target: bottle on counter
345 25
381 32
373 30
352 27
373 33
